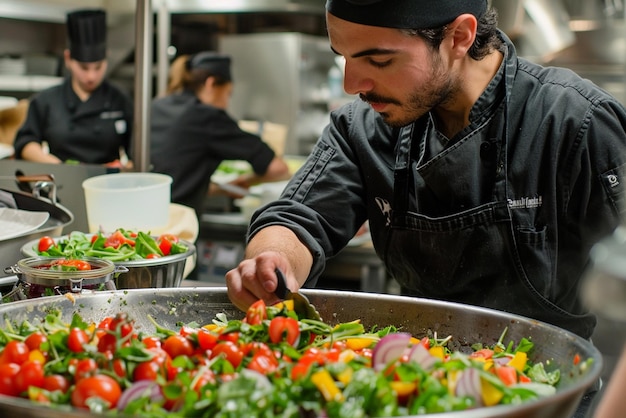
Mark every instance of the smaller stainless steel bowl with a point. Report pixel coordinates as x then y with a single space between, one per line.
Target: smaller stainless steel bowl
155 272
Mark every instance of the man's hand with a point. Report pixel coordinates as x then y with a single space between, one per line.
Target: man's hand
255 278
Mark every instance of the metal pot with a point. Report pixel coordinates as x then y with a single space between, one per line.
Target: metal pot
466 324
10 249
36 279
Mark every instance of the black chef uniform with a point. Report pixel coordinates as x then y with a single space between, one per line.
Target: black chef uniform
92 131
189 139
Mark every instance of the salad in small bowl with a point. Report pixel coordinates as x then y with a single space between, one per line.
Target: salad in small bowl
152 261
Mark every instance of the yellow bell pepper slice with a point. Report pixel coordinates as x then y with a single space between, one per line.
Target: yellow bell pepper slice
325 384
437 351
288 304
490 394
360 343
518 361
345 376
403 388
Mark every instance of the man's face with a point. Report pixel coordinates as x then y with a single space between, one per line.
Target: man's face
87 76
397 74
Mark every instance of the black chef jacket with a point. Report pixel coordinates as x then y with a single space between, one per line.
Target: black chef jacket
561 142
189 139
89 132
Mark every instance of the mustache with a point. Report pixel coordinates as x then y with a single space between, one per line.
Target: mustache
375 98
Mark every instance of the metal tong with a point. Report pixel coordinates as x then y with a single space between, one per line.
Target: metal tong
301 304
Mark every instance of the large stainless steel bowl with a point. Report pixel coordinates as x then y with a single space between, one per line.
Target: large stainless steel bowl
171 307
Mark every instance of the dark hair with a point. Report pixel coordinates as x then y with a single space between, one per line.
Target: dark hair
487 38
182 77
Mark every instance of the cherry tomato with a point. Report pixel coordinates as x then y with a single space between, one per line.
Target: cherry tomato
153 255
170 237
75 340
122 324
263 363
151 342
104 326
107 343
177 345
256 313
165 245
45 243
300 370
30 374
56 382
148 370
166 242
7 376
283 328
206 339
186 331
206 377
100 386
230 336
84 368
117 239
151 369
15 352
254 347
34 340
119 367
79 265
231 352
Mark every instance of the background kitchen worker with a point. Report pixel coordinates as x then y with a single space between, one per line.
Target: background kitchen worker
192 133
85 118
485 178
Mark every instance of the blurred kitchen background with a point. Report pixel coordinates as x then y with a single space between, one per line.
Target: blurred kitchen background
286 75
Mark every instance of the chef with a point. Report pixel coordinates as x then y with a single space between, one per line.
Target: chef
191 132
485 178
84 119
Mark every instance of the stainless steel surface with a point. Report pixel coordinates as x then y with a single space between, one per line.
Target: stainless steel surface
171 307
143 85
288 70
164 29
244 6
10 250
539 28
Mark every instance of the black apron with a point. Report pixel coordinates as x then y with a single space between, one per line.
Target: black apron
470 256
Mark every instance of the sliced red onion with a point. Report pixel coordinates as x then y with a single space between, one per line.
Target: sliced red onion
468 384
422 356
501 361
390 348
140 389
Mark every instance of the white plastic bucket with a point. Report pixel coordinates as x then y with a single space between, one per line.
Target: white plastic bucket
136 201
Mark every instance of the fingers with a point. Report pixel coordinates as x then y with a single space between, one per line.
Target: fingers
251 280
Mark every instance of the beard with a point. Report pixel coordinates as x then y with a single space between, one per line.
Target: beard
437 90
